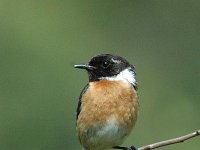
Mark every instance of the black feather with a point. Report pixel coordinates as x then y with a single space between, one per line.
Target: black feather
78 109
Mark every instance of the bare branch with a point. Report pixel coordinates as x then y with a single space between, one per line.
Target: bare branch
170 141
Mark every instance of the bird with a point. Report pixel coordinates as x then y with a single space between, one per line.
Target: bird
108 105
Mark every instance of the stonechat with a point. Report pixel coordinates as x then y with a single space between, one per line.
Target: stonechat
108 104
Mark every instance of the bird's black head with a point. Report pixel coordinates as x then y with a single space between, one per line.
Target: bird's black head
108 66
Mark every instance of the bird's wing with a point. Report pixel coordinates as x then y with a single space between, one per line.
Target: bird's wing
78 109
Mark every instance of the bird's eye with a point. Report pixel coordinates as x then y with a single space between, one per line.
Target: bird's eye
105 64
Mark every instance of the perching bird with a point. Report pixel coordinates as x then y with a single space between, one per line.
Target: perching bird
108 104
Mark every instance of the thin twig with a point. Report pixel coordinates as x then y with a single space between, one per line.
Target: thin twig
170 141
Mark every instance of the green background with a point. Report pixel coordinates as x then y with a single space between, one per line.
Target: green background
41 40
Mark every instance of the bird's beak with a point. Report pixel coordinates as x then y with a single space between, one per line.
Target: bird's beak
85 66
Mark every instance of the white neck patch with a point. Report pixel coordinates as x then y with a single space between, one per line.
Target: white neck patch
125 75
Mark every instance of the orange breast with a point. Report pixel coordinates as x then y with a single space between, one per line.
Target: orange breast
104 99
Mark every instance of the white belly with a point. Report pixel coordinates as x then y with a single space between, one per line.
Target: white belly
108 135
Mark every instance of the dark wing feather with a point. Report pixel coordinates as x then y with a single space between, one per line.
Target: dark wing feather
78 110
132 68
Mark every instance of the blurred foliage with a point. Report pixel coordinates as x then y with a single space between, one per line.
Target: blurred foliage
42 40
